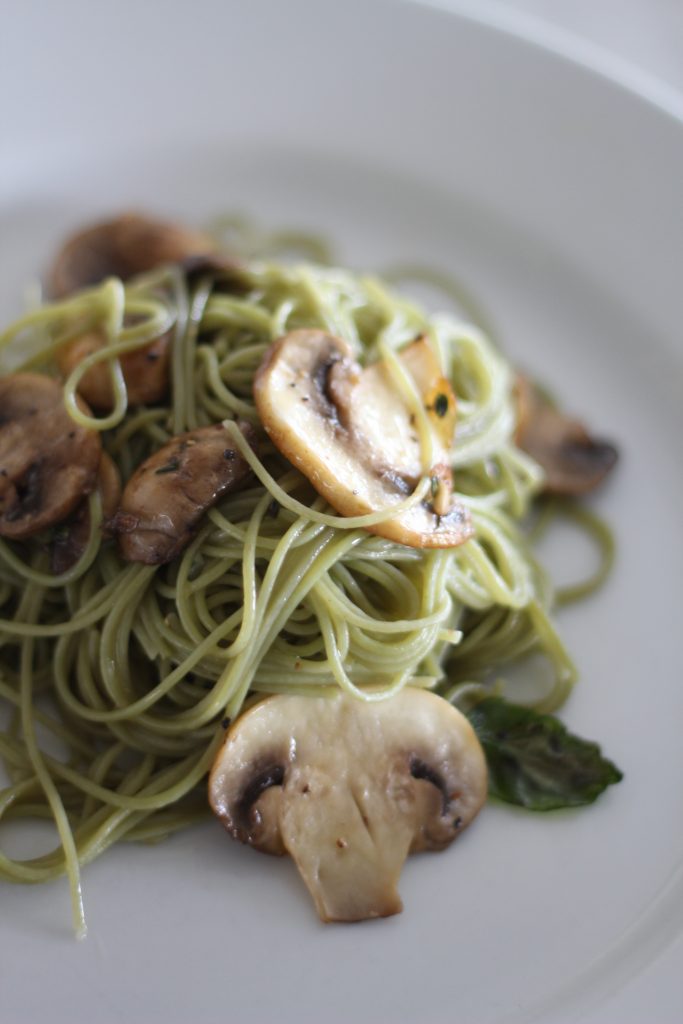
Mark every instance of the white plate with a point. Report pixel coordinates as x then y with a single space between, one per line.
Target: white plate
403 133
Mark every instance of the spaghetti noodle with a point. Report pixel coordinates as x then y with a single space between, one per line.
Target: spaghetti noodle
118 679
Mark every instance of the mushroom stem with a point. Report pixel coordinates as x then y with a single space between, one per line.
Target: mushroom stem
353 868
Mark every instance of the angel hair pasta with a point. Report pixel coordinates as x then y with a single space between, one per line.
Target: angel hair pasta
117 678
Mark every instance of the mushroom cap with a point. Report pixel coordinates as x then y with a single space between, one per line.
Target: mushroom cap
573 461
350 432
48 462
123 247
349 788
169 492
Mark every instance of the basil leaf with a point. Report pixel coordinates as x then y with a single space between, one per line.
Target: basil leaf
534 761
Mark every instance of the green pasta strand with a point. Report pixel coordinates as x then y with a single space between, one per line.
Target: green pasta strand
133 670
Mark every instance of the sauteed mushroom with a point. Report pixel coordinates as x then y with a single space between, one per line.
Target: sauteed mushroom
573 461
48 463
71 537
166 497
351 433
145 370
123 247
349 789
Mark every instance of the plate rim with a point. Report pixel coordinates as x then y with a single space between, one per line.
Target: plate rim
565 44
659 97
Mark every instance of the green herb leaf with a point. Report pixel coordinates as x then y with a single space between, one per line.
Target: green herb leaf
534 761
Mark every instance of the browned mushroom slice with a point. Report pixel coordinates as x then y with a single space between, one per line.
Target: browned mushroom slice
71 537
168 494
124 247
128 245
351 433
573 461
349 789
146 370
437 394
48 463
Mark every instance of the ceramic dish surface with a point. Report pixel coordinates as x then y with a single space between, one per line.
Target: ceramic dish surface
402 134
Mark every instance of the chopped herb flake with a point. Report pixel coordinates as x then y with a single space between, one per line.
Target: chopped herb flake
171 466
441 405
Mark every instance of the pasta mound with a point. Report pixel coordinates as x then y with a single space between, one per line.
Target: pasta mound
135 670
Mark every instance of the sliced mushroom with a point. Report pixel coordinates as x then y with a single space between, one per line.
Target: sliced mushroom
48 463
168 494
573 461
421 362
71 537
146 370
123 247
349 789
351 433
